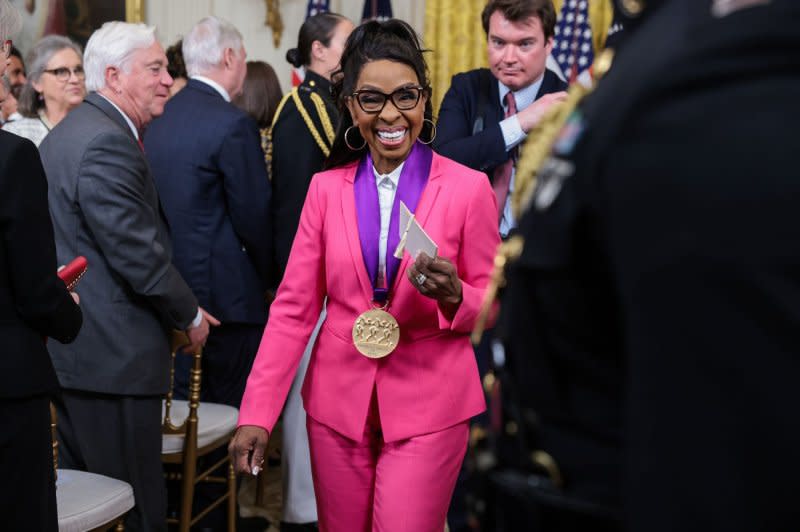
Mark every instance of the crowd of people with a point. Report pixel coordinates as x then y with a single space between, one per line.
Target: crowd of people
640 373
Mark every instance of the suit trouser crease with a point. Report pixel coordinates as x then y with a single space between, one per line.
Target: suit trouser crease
373 486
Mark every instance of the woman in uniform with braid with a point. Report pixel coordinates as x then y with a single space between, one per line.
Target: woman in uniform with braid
300 140
304 125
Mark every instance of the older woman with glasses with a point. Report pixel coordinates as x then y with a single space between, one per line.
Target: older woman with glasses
392 381
54 87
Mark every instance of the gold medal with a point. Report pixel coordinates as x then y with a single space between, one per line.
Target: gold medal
376 333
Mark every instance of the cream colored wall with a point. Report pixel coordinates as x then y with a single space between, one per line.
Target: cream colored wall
173 18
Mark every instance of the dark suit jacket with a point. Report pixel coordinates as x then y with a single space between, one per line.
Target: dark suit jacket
209 168
296 157
34 303
105 206
486 149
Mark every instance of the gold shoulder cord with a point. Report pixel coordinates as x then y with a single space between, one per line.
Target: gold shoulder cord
310 125
533 154
268 137
322 112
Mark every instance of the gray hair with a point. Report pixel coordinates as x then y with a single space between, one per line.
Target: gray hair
36 61
10 20
113 45
207 40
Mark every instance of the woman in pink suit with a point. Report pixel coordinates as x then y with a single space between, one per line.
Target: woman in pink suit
392 381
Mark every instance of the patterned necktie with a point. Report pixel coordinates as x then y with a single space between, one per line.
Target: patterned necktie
502 174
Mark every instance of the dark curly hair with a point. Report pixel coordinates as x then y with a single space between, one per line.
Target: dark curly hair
175 65
393 40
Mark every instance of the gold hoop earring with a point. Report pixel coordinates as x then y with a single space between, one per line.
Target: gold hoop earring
433 131
347 142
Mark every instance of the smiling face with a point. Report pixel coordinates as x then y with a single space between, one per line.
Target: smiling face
64 95
143 90
391 133
517 50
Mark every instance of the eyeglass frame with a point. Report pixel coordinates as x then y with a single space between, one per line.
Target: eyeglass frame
79 74
8 44
386 97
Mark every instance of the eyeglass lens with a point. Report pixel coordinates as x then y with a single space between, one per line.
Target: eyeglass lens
405 98
62 73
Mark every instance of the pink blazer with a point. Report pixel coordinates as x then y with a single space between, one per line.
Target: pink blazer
430 382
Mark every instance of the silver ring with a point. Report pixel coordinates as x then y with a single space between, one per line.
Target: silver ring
421 278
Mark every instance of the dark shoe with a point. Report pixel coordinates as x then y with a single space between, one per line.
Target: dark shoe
299 527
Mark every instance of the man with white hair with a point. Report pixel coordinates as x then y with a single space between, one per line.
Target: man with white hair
105 206
207 162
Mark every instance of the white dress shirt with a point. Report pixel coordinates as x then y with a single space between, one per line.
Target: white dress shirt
513 136
387 187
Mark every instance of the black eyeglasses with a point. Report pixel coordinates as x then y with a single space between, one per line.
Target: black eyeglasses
404 98
62 73
7 46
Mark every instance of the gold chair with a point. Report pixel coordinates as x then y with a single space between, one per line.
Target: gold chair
87 501
205 428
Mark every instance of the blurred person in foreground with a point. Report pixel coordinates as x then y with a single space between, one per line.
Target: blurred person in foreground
34 304
673 223
55 86
392 375
105 206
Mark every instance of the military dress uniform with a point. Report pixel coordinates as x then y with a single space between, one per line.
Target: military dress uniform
655 307
300 139
302 133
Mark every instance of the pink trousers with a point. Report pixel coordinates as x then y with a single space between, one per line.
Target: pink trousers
373 486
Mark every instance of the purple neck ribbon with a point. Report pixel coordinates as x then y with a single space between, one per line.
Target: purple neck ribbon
413 179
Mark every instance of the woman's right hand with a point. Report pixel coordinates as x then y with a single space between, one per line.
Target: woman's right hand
247 449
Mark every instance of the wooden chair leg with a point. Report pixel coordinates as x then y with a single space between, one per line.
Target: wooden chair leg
187 495
231 498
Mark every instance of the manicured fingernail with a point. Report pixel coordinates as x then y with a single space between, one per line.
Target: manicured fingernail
256 470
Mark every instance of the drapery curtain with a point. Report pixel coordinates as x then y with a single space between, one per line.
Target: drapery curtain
454 33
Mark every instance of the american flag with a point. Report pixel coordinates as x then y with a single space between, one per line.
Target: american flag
573 50
315 7
376 10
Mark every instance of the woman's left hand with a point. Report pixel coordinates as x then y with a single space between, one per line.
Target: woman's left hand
437 279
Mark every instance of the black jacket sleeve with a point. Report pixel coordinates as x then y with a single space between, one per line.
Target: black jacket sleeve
38 296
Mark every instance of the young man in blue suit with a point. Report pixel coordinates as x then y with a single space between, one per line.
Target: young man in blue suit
479 125
209 169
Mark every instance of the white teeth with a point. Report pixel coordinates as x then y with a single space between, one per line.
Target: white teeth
393 135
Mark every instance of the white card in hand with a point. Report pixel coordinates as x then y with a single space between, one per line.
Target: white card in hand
413 237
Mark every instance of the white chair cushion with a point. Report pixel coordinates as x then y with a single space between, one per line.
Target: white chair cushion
214 421
86 501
